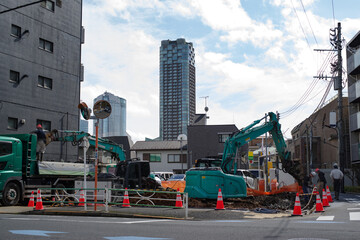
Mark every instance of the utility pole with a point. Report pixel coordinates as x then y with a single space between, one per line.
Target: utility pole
336 42
340 123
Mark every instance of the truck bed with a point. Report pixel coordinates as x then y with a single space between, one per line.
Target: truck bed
64 168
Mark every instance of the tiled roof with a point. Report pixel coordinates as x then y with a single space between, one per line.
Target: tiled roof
158 145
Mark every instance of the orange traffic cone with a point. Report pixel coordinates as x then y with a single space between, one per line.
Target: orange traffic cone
39 204
297 206
220 202
126 202
179 202
329 194
31 201
319 206
325 200
81 199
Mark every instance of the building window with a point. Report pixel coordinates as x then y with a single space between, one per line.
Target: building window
15 31
173 158
152 157
48 5
12 123
44 82
14 76
46 125
223 136
46 45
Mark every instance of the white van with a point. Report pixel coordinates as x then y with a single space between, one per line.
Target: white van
164 176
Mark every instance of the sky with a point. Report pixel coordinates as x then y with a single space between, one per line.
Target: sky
251 56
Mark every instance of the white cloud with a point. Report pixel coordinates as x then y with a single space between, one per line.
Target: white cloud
121 55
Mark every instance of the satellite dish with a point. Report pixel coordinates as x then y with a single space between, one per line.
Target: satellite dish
182 137
102 109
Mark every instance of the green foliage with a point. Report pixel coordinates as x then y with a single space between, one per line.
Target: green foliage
353 189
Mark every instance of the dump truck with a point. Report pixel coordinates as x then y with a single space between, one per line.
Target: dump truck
21 172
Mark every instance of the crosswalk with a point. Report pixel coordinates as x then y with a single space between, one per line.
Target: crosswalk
354 212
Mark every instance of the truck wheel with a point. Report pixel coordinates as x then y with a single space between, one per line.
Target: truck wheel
11 194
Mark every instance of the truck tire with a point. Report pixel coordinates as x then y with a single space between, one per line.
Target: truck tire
11 194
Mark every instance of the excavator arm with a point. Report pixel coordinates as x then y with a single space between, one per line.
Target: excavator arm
76 137
251 132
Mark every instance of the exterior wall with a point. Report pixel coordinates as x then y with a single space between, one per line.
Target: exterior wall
177 88
84 126
164 165
353 70
25 99
324 138
115 124
203 141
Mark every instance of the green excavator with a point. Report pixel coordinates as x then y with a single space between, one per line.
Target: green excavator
205 182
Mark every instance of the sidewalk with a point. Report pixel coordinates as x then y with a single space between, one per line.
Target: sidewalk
145 212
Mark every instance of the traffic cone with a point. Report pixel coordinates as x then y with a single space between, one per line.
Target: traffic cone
220 202
297 206
81 199
31 201
325 200
39 204
179 202
329 194
126 202
319 206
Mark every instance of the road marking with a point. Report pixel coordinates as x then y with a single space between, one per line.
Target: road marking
318 222
353 209
325 218
34 232
135 238
231 221
87 221
354 216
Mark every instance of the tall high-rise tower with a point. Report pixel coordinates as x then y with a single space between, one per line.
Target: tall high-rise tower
115 124
177 88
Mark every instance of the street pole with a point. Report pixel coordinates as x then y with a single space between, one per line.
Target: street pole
96 159
85 148
340 105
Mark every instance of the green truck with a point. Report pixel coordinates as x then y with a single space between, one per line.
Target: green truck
21 173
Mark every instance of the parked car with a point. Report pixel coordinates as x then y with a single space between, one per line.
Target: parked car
255 172
177 177
164 176
250 179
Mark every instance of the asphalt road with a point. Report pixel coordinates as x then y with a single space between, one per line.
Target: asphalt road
340 221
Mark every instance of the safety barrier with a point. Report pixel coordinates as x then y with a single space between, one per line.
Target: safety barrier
108 197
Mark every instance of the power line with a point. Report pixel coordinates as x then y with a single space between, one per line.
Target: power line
333 11
300 24
308 22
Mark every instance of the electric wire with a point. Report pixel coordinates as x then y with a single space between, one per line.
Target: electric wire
309 22
300 24
333 11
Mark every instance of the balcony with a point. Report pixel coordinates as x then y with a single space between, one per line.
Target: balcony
354 92
353 63
355 122
355 149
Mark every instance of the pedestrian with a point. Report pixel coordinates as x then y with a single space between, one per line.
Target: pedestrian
321 184
336 176
41 142
307 183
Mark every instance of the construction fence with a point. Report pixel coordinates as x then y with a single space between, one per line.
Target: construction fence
110 197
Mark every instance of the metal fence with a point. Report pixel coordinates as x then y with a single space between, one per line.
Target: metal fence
108 197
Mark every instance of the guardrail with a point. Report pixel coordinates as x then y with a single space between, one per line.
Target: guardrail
115 197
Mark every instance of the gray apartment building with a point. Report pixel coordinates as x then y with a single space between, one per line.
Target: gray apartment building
177 88
115 124
353 70
40 69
